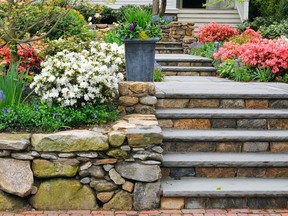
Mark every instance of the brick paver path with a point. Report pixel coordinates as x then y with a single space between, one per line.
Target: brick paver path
183 212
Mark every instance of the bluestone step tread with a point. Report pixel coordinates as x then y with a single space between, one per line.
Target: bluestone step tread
181 58
213 87
225 159
221 113
169 48
228 187
188 69
180 135
169 43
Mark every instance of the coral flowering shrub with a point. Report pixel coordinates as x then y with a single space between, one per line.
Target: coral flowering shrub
215 32
28 56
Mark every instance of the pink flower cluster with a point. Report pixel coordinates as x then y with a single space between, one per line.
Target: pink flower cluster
256 52
215 32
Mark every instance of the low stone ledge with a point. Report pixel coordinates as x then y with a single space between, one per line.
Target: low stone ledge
85 169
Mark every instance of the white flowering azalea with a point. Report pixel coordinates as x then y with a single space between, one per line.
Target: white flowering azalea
71 78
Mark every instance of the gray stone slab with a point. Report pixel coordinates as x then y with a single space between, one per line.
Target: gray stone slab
222 113
225 159
203 87
224 135
181 57
227 187
188 69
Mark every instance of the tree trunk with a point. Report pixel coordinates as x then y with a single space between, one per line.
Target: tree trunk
155 7
13 53
163 7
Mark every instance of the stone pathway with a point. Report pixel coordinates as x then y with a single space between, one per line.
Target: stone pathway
183 212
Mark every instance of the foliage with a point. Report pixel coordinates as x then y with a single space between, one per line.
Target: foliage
89 11
28 54
75 79
139 23
205 49
41 117
158 74
282 12
263 74
215 32
112 37
275 30
110 16
12 86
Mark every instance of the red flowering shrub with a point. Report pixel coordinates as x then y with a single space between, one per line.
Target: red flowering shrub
28 56
266 54
215 32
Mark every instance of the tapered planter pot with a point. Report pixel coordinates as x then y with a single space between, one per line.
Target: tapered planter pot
140 58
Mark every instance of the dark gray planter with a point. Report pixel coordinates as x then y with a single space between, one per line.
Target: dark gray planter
140 58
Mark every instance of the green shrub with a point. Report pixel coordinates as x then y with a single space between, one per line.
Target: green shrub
41 117
89 10
263 75
158 73
112 37
275 30
282 12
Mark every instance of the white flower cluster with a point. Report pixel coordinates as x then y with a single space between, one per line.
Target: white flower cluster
71 78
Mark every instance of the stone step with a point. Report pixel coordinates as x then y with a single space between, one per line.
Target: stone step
189 71
170 50
196 118
224 187
169 45
225 146
182 60
224 159
180 135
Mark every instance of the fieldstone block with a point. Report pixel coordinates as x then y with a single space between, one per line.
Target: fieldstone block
212 172
229 147
277 172
138 87
105 196
103 185
116 177
172 203
165 123
144 109
279 147
223 123
128 100
228 103
96 171
267 203
279 104
207 103
180 172
70 141
128 186
192 124
14 141
123 88
224 203
256 104
195 203
255 146
194 147
252 123
116 138
16 177
118 153
22 156
148 100
63 194
143 136
172 103
278 124
146 196
47 169
251 172
11 203
139 172
121 201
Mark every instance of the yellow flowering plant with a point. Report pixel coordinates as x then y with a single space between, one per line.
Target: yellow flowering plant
139 23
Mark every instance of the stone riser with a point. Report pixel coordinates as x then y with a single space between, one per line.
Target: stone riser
226 202
167 51
222 103
225 146
167 46
225 172
215 123
184 63
190 73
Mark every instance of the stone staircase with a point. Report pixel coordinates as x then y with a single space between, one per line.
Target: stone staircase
185 65
225 143
204 16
